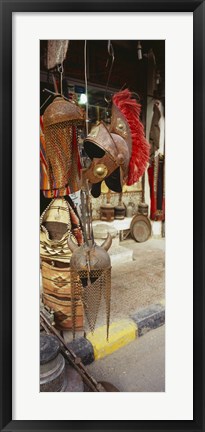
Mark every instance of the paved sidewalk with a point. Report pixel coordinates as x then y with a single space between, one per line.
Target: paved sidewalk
138 367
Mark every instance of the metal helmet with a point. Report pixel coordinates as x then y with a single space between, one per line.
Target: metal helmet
90 279
119 154
60 120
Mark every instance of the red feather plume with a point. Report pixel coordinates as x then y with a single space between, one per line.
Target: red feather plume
140 146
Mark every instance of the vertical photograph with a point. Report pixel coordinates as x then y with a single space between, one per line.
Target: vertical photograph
102 216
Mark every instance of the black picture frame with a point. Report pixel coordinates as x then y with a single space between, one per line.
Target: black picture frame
7 8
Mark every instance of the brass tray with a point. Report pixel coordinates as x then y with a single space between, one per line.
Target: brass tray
140 228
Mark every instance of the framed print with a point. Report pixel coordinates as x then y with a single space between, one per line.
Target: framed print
176 31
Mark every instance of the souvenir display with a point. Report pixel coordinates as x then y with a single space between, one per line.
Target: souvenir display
118 154
101 155
76 273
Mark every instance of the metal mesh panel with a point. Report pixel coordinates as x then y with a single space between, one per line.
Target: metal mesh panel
91 287
62 155
59 152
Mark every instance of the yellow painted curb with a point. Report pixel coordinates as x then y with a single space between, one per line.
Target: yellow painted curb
162 302
120 334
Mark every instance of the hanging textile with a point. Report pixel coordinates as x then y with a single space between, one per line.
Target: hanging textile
154 135
58 223
156 175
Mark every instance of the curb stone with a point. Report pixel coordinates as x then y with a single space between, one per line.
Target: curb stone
149 318
83 349
122 332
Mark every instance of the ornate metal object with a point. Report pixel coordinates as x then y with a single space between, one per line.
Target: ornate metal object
55 229
107 212
52 365
90 269
143 208
120 210
91 279
130 209
122 148
60 121
140 228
